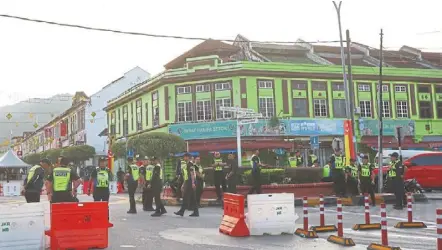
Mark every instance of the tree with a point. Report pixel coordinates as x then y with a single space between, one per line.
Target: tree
119 149
52 154
32 159
78 153
158 144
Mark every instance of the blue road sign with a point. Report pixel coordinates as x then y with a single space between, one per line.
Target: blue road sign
130 153
314 142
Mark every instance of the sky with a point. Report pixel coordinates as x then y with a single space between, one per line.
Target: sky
40 60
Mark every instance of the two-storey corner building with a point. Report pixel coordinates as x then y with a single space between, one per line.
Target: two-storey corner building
96 118
65 130
302 87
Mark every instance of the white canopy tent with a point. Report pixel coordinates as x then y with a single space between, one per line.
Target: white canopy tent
11 160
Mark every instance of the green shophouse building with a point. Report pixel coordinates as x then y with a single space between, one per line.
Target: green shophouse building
308 99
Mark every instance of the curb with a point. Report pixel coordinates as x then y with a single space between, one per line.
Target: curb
312 201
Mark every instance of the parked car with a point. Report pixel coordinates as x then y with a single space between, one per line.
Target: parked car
426 168
406 154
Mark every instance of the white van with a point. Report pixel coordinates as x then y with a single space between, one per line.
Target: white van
405 155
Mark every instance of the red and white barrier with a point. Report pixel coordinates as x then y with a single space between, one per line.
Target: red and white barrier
304 232
384 233
367 225
439 228
340 238
322 228
410 223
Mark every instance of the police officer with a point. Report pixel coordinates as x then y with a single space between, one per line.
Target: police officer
199 180
395 178
156 185
232 174
61 181
132 178
146 172
337 165
177 182
218 175
366 178
351 177
100 178
256 173
311 158
34 181
189 187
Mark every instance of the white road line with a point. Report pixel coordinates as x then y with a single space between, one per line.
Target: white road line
127 246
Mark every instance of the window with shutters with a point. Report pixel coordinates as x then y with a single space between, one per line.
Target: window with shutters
222 86
425 109
139 112
267 106
386 112
204 110
223 103
320 107
184 90
400 88
339 108
146 108
264 84
439 110
112 123
156 116
132 111
125 121
401 109
423 89
364 88
365 107
184 111
300 108
119 119
203 88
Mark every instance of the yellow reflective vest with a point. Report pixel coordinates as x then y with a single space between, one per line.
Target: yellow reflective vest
62 179
218 167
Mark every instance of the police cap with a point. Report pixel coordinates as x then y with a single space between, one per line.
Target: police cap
46 161
138 157
395 154
146 157
130 158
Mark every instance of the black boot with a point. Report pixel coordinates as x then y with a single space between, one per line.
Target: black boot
180 213
156 214
163 211
195 214
132 211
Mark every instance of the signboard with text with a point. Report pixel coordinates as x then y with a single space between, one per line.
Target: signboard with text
371 127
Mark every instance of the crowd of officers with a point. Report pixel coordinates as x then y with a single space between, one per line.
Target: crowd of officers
359 178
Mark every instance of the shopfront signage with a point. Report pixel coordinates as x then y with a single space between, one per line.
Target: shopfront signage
371 127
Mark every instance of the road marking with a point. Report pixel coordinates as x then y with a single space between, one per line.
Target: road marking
127 246
377 216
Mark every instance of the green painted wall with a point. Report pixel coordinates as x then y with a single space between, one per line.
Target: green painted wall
253 93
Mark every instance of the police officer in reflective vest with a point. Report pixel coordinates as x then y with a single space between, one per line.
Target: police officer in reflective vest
147 197
366 178
351 176
232 177
189 188
256 173
132 178
63 182
326 172
296 160
337 164
156 185
177 182
395 180
218 175
100 178
199 180
34 181
311 158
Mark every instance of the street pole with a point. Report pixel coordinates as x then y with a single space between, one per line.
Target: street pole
344 75
238 141
380 114
351 90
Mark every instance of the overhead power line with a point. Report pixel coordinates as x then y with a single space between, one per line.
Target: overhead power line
145 34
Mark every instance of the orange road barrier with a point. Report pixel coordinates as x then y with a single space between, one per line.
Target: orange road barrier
233 222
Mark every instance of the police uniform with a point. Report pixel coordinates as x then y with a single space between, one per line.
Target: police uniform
232 177
61 179
189 199
219 177
296 161
34 184
177 182
132 184
156 184
366 180
311 159
199 183
338 175
101 178
256 175
351 172
395 175
326 173
147 196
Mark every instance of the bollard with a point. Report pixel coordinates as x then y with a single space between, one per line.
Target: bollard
384 234
410 223
340 238
439 228
367 225
322 228
304 232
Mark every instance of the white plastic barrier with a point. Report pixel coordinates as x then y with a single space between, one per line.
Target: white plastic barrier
80 189
47 218
13 188
113 187
22 226
272 214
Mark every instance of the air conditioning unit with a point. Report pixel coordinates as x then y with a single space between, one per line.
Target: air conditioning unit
357 110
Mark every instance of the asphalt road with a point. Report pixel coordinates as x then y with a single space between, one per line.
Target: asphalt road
141 231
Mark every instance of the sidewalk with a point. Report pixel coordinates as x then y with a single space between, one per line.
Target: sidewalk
312 201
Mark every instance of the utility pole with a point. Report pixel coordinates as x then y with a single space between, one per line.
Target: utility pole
351 91
344 74
380 113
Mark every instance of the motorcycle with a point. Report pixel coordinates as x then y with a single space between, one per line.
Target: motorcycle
412 186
